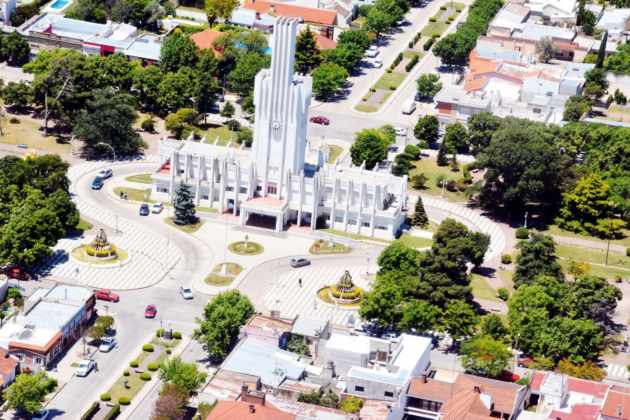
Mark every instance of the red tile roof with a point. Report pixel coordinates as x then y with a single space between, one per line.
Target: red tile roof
596 389
617 403
231 410
578 412
204 40
7 363
324 43
308 14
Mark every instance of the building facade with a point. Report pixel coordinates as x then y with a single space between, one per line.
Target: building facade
276 183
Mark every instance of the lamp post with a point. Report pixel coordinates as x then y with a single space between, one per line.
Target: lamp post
100 143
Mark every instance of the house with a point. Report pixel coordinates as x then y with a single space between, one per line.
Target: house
616 405
321 20
615 21
230 410
53 320
267 328
205 40
467 397
313 331
556 12
9 367
252 19
509 18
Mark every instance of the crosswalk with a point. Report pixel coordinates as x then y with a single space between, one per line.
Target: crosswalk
290 299
616 371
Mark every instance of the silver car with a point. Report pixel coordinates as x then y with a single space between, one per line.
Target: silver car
107 344
299 262
186 292
85 367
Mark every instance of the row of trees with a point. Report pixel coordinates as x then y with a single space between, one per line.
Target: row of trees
144 14
419 291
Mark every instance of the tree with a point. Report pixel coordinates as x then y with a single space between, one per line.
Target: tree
381 304
109 119
587 370
403 163
575 108
178 51
419 181
454 48
321 398
15 49
418 316
594 298
523 165
355 37
27 393
420 218
146 82
481 128
459 319
17 95
241 79
601 53
328 79
346 56
398 257
370 147
428 86
207 86
176 91
595 84
89 10
545 49
485 356
101 327
184 206
456 138
185 376
170 404
177 122
220 9
427 128
492 326
441 158
307 56
228 110
537 257
223 316
378 21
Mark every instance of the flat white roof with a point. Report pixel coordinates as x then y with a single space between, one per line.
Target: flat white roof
359 344
411 348
309 327
18 332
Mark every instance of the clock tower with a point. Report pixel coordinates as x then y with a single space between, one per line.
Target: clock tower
282 101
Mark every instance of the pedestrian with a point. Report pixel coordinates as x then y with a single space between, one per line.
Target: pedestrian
121 195
300 281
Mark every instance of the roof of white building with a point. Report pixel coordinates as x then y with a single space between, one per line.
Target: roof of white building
309 327
359 344
510 17
565 6
146 47
536 32
248 17
614 19
459 96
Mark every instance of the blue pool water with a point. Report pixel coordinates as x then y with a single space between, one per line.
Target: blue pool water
59 4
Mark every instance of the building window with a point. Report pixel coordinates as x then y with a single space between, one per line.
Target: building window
358 388
389 394
205 197
259 188
38 360
339 219
365 224
536 110
242 190
272 189
229 188
162 189
181 171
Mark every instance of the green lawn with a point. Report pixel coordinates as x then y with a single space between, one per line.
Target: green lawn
415 242
434 28
410 54
353 236
431 170
83 225
216 278
27 132
555 230
481 289
366 108
322 246
224 134
246 248
140 178
618 264
135 194
390 79
334 152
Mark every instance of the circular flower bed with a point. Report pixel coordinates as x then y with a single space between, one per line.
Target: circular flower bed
325 294
246 248
89 255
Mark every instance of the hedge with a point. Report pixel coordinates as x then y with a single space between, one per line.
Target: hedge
153 367
133 364
506 259
145 377
177 335
91 411
113 413
105 396
124 400
428 44
148 348
411 63
522 233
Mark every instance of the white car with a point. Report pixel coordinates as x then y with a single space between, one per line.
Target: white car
107 344
372 52
377 64
106 173
186 292
401 131
85 367
157 208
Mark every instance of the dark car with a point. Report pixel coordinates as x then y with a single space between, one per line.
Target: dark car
299 262
144 209
97 184
150 311
108 295
320 120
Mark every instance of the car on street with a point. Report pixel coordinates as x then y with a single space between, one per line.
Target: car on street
372 52
409 106
186 292
41 415
319 119
401 131
106 173
150 311
157 208
97 183
144 209
377 64
107 344
85 367
108 295
299 262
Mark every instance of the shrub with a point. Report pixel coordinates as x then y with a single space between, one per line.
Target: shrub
522 233
113 413
91 411
233 125
428 44
105 396
411 63
177 335
432 20
506 259
392 87
458 9
145 376
148 348
133 364
503 293
628 251
153 367
124 400
442 7
411 44
14 120
159 333
439 180
351 405
148 125
169 351
412 150
126 373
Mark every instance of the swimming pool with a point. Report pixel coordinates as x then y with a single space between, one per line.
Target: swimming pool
59 4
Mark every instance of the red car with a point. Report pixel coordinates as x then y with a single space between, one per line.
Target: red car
150 311
108 295
320 120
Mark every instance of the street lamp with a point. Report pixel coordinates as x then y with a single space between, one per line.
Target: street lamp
100 143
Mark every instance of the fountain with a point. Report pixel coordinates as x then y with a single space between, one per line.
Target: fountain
344 292
100 247
100 252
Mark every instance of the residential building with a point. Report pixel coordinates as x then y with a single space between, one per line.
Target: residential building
282 180
250 18
6 9
267 328
509 18
51 30
230 410
9 367
466 397
616 22
556 12
52 321
206 39
321 20
616 405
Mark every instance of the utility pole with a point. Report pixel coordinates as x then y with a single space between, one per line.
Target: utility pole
525 225
609 238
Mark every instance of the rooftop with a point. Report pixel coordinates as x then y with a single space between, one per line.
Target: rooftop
230 410
204 40
617 403
309 327
306 14
535 32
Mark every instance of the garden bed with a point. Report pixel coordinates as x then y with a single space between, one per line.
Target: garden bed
246 248
140 178
184 228
322 247
217 278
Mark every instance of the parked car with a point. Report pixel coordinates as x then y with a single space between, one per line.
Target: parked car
144 209
377 64
186 292
106 173
372 52
85 367
320 120
409 106
299 262
150 311
401 131
105 294
107 344
97 183
41 415
157 208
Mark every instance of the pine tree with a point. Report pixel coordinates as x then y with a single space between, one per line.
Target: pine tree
601 54
184 206
307 56
442 159
420 218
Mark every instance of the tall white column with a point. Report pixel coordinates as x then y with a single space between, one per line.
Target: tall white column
349 189
237 187
333 206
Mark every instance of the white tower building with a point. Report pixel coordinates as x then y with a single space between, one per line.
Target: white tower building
282 101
